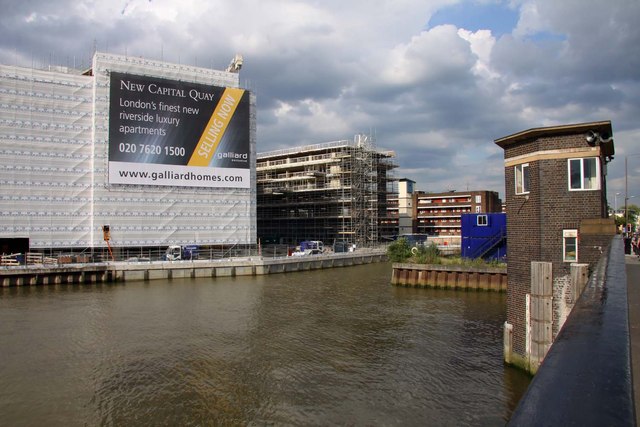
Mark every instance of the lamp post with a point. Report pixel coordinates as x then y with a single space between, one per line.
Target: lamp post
626 191
615 205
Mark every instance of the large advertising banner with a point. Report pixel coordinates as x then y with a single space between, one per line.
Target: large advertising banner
168 132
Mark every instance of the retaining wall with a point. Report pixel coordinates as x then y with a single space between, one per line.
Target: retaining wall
449 276
586 378
167 270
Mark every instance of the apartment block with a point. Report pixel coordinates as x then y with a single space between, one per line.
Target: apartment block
440 214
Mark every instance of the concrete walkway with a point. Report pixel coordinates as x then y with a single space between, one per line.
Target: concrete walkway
633 290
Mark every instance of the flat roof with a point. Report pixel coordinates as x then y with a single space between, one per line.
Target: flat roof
602 127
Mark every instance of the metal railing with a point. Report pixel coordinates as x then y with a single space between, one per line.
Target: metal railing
150 254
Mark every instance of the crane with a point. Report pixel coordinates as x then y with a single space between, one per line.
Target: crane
235 64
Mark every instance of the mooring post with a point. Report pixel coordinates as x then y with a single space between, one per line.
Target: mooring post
541 312
579 278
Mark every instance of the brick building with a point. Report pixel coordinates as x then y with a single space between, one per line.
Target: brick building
399 218
439 213
555 188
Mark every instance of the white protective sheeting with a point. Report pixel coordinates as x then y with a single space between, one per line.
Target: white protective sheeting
54 130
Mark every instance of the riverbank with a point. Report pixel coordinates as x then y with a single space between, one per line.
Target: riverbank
449 277
122 271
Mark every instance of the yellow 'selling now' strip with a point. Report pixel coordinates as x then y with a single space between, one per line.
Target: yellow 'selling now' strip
216 127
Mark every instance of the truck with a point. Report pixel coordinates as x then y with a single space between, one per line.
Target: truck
309 247
177 252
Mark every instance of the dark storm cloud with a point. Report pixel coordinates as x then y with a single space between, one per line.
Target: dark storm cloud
438 96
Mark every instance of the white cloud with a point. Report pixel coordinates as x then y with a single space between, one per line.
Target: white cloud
481 43
328 70
438 53
530 22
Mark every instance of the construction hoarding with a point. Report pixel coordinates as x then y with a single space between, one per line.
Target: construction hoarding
175 133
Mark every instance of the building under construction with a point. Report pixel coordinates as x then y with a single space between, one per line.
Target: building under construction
334 192
114 148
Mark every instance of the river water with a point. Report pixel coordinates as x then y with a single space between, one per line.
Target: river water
329 347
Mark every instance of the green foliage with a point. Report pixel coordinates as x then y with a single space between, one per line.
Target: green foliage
399 251
427 254
633 212
481 263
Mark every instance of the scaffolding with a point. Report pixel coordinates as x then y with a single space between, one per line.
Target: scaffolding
54 159
335 191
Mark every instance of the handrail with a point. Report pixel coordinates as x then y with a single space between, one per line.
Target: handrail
489 244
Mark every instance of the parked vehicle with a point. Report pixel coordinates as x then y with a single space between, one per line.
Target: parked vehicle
176 252
311 244
307 252
309 247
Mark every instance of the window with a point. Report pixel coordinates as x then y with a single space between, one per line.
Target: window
522 178
570 245
478 200
584 174
478 209
482 221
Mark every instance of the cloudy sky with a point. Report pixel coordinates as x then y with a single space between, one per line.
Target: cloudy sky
436 81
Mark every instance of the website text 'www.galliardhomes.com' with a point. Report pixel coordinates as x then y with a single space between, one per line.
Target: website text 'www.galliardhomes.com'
174 176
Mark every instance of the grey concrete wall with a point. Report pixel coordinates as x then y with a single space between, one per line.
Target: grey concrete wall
124 271
585 379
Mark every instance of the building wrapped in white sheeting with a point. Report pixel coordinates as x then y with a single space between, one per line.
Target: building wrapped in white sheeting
163 153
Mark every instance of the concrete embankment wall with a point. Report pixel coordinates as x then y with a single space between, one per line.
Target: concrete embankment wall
586 377
167 270
449 276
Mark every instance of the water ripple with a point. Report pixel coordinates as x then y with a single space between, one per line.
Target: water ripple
318 348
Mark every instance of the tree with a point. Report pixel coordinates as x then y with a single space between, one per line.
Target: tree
633 211
399 251
632 215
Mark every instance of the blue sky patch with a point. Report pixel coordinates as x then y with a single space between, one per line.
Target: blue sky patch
546 36
498 18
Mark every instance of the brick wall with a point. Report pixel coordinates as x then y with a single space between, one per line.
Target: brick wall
523 237
535 224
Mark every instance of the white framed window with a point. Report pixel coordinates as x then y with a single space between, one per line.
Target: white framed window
522 178
478 199
570 245
584 174
477 209
482 221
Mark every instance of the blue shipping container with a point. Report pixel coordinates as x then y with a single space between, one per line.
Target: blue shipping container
484 235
